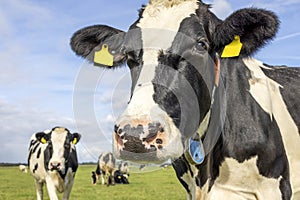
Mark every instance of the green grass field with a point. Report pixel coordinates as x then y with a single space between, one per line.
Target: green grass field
159 184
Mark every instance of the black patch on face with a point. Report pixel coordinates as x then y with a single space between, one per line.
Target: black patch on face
67 146
188 61
167 100
48 154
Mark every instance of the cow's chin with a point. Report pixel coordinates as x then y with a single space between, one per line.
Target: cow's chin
132 149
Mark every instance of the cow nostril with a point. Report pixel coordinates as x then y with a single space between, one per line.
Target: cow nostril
120 131
153 148
159 141
55 165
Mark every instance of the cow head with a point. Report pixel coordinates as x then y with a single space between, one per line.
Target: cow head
60 143
173 53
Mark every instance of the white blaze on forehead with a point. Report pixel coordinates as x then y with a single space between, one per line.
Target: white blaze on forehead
159 26
58 138
267 94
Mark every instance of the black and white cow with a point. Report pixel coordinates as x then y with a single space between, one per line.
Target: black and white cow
23 168
122 173
191 79
106 167
124 168
53 160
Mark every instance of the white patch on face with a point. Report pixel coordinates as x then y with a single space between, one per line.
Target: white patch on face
58 137
159 26
267 93
239 181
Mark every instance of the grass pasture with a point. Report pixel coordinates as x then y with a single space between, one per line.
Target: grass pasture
160 184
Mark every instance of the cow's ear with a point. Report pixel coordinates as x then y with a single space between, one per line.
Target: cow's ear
75 138
42 137
89 40
253 27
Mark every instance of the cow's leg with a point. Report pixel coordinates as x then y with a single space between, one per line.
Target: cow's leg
39 189
69 180
102 179
51 188
111 175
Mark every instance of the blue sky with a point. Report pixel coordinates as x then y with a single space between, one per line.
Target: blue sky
43 84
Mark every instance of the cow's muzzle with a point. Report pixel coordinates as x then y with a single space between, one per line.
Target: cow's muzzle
55 166
139 141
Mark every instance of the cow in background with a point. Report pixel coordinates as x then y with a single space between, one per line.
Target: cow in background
124 168
121 175
106 168
23 168
52 160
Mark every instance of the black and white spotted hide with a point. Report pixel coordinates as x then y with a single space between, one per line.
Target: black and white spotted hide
53 161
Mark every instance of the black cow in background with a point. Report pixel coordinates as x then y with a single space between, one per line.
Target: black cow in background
121 175
194 81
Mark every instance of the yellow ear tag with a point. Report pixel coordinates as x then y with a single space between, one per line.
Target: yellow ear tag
74 141
43 140
104 57
233 49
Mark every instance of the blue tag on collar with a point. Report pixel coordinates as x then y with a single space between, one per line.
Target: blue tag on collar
195 154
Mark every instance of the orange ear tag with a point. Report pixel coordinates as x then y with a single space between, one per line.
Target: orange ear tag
104 57
233 49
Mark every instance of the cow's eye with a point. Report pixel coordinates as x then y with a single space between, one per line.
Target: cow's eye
202 45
